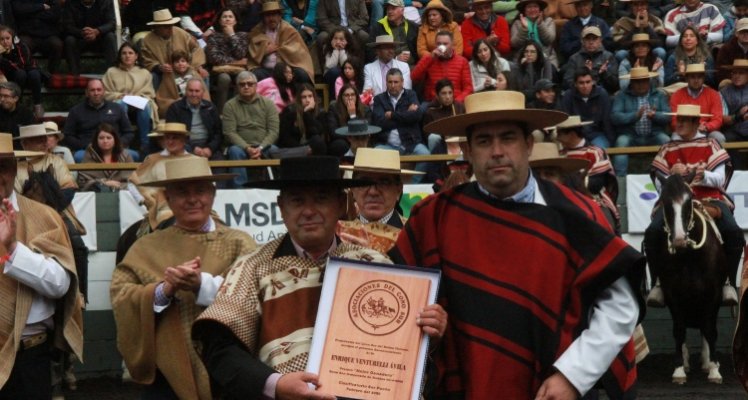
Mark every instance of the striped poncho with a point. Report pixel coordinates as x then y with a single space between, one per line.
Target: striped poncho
518 281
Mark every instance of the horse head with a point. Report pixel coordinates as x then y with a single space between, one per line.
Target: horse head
676 198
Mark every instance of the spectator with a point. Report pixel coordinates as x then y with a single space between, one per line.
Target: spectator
250 124
398 113
444 105
444 63
601 63
485 20
531 67
640 21
705 97
486 66
570 41
641 54
691 49
172 137
735 121
163 41
348 106
12 114
738 10
403 31
544 96
375 73
639 115
226 51
39 28
412 11
278 88
84 119
202 120
274 40
460 9
88 25
350 14
705 18
197 16
592 103
302 15
126 78
438 19
533 27
18 65
54 136
249 13
105 148
174 84
302 124
735 48
336 53
357 133
136 14
353 74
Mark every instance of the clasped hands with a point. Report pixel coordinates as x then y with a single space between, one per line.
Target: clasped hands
185 276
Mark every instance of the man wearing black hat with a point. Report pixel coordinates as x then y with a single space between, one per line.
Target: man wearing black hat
251 353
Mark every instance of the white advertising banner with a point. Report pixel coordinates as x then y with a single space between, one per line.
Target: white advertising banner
641 196
84 204
253 211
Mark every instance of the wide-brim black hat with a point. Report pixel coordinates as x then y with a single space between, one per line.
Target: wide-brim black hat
309 171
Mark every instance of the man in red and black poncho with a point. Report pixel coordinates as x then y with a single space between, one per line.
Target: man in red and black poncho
538 291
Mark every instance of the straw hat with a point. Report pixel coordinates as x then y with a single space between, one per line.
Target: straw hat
697 68
357 127
313 171
689 110
738 63
641 38
495 106
6 148
639 73
547 155
29 131
574 121
381 161
271 7
384 40
170 127
53 129
188 169
524 3
163 17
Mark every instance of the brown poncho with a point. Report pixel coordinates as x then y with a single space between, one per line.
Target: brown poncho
291 48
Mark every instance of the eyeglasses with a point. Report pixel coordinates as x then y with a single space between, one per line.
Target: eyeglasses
247 84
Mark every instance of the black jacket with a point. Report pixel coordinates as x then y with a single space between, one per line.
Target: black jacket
33 20
75 17
83 122
179 111
407 123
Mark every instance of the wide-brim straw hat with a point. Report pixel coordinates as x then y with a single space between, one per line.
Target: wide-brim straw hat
170 127
641 38
52 129
495 106
163 17
574 121
381 161
271 7
688 110
188 169
523 3
309 171
357 127
30 131
547 155
696 68
738 63
639 73
383 40
6 148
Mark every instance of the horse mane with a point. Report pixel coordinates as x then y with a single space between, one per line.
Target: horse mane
43 188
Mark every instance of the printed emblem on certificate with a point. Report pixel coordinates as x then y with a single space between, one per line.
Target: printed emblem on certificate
366 342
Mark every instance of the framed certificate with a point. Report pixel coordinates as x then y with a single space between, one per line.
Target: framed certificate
366 342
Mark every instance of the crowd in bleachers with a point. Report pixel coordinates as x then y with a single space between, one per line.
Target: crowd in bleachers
240 74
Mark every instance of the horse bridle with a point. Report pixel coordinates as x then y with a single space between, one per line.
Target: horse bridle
691 221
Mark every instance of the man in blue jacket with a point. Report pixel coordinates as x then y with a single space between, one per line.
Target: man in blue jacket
398 113
639 115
